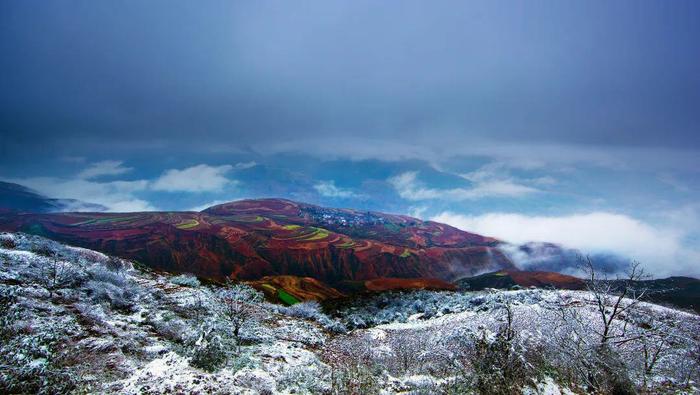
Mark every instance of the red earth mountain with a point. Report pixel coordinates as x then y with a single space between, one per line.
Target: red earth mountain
251 239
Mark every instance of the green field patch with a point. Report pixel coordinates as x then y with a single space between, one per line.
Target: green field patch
347 244
317 234
286 298
248 218
188 224
291 227
307 234
97 221
269 287
405 254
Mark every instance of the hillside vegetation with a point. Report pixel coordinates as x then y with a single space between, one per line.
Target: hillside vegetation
79 321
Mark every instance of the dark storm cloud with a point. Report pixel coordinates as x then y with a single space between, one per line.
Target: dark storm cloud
233 75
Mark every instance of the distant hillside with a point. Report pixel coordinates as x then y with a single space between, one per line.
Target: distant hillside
683 292
676 291
507 279
17 198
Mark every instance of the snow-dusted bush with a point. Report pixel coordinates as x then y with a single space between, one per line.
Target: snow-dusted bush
498 365
305 379
115 264
102 274
114 288
331 325
239 305
390 307
207 348
309 310
52 273
7 243
186 280
257 380
168 326
32 357
38 378
45 248
8 298
355 370
356 321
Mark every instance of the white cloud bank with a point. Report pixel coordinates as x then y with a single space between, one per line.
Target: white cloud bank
200 178
660 249
117 196
104 168
122 196
409 187
329 189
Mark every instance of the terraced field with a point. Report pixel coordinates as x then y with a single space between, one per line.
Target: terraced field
252 239
188 224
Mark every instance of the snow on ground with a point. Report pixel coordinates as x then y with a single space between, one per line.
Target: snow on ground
105 327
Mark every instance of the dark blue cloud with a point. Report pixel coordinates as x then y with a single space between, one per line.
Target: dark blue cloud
158 76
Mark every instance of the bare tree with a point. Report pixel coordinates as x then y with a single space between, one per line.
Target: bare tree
592 344
410 352
613 298
53 272
355 367
498 363
239 306
654 345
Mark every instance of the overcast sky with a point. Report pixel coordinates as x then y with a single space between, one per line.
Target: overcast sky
490 115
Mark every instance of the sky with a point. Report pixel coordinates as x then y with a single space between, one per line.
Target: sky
572 122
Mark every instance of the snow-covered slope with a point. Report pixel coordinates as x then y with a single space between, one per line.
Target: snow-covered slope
78 321
109 328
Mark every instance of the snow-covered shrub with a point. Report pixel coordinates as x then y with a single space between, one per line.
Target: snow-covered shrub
117 297
186 280
8 298
390 307
305 379
32 357
55 274
331 325
356 321
103 274
239 305
257 380
311 310
410 353
110 287
89 316
7 243
497 366
207 348
308 310
115 264
354 369
44 247
39 378
168 327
